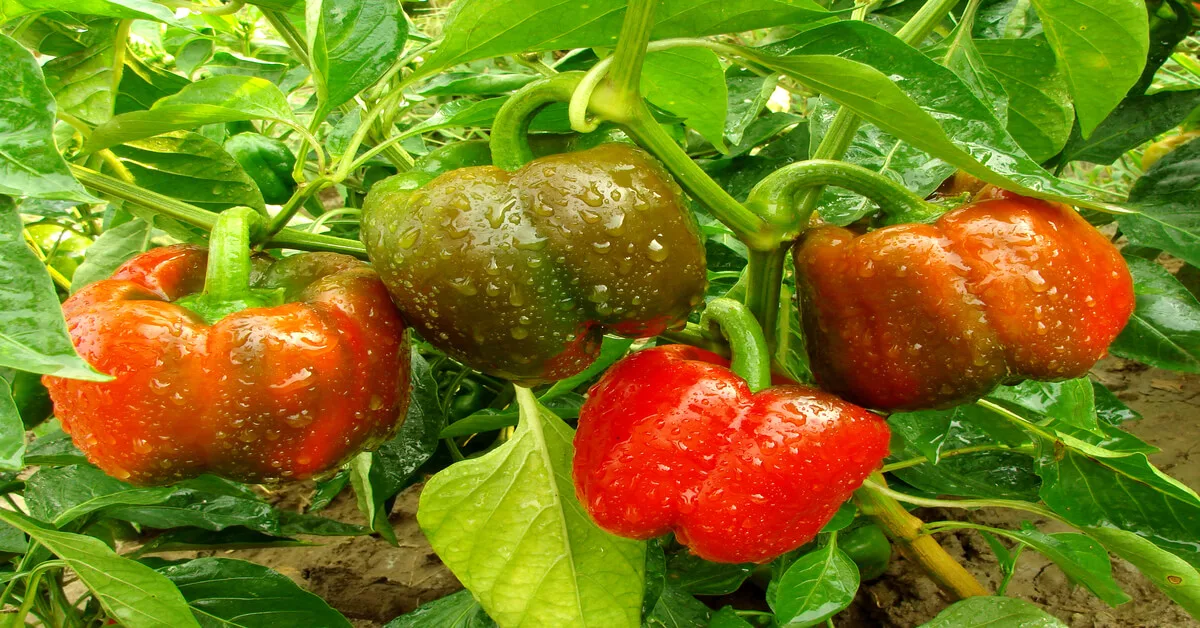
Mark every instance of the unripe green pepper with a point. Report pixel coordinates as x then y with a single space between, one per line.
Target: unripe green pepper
31 397
269 163
869 548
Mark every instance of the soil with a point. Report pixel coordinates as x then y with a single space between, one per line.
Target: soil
372 582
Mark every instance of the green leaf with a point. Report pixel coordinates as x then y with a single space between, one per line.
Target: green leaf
690 83
908 95
816 587
1164 330
460 113
192 168
1040 114
1092 487
727 617
748 95
697 576
29 166
993 612
478 29
1073 402
84 83
1101 46
352 44
1168 199
33 334
510 528
1174 577
135 595
564 405
142 84
1134 122
474 83
873 149
12 431
223 592
963 57
113 248
59 495
1081 558
124 9
677 609
457 610
219 99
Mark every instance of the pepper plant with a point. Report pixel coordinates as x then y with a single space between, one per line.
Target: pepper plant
712 216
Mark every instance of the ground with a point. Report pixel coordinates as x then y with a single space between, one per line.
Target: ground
371 582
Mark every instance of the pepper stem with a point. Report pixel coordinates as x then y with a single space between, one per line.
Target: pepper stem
227 278
780 191
906 531
751 360
510 141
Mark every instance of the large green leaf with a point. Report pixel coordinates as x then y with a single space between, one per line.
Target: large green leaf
1082 559
84 83
33 335
29 165
227 593
1072 401
1040 115
134 594
12 431
815 587
908 95
510 528
1168 198
477 29
993 612
690 83
1174 577
1092 487
1101 46
124 9
1164 330
59 495
143 84
219 99
189 167
352 44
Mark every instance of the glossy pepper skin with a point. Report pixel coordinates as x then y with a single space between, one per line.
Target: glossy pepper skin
671 440
933 315
268 161
519 274
263 394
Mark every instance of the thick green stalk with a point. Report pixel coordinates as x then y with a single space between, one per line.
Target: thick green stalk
510 141
776 194
623 87
733 321
764 278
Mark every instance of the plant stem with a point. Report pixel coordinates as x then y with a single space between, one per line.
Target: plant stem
749 227
880 487
290 35
304 192
733 321
624 80
764 280
509 142
905 531
192 215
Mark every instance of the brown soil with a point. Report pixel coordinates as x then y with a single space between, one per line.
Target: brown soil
371 582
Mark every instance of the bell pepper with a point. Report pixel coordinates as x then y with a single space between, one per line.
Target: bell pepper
519 274
869 548
672 440
29 395
268 161
933 315
254 370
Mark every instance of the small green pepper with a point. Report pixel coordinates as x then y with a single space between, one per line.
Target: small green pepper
31 397
269 163
869 548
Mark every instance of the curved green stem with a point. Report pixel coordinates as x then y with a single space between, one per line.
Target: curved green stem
31 588
764 277
963 503
920 460
732 320
228 274
777 194
304 192
192 215
750 228
509 142
624 81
